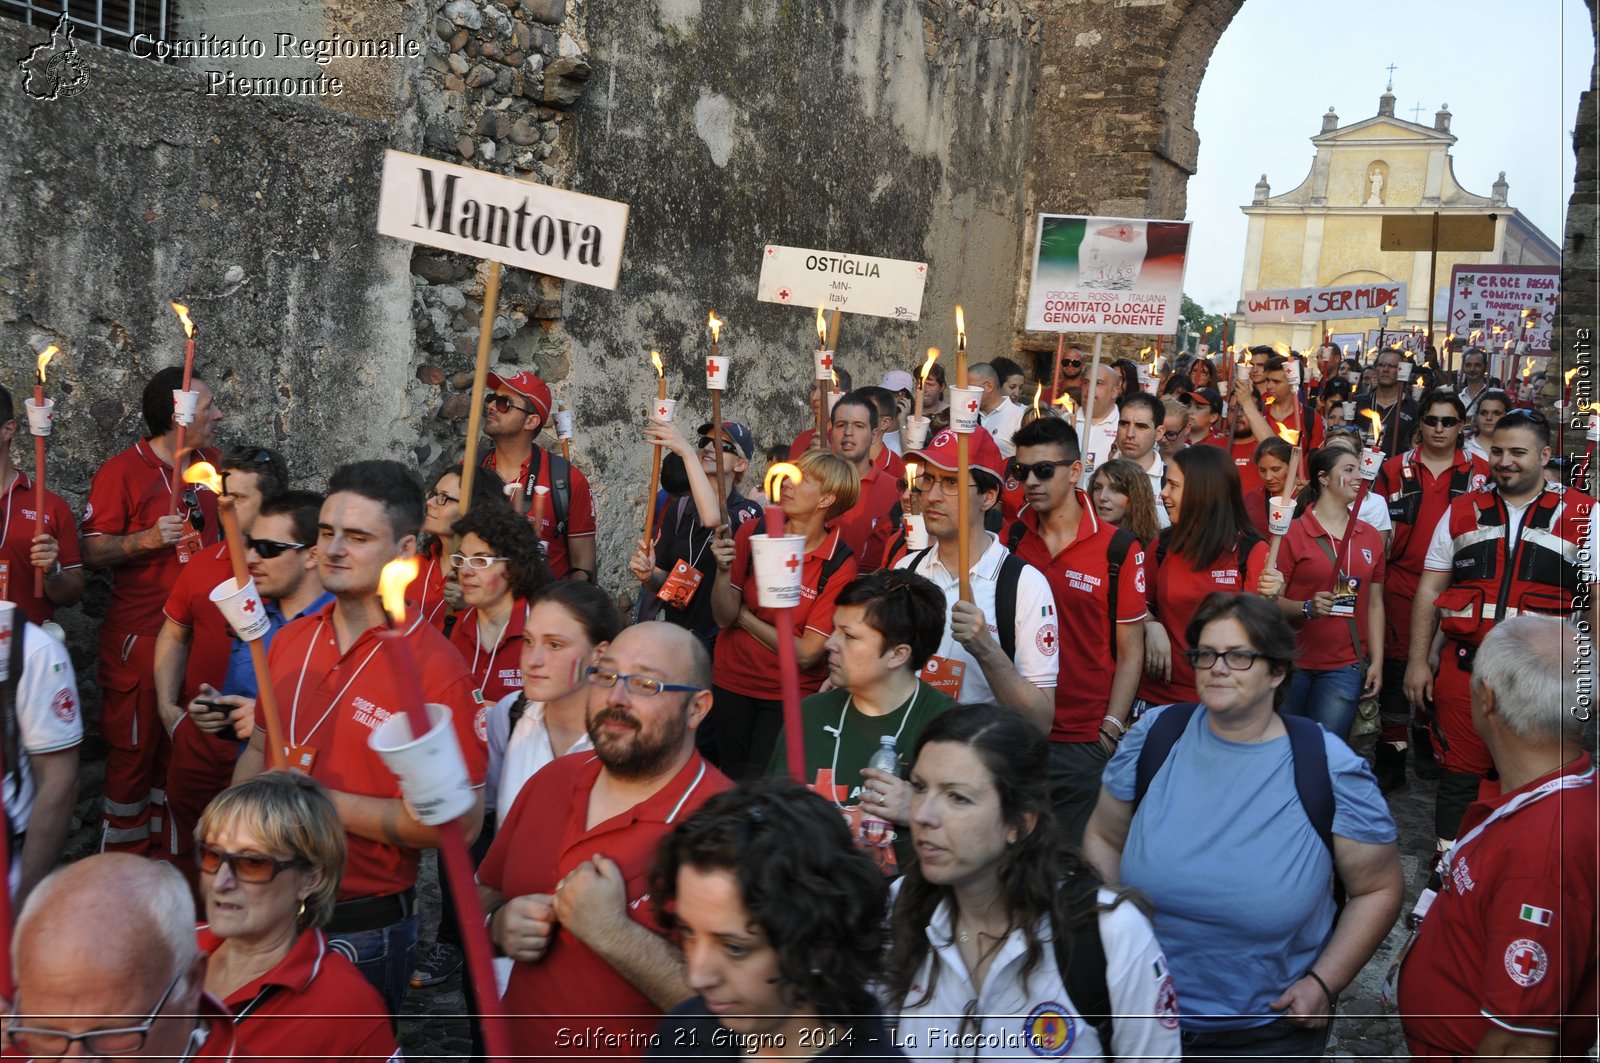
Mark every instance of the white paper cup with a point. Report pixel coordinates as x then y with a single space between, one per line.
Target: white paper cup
242 607
916 434
822 362
1405 371
1291 369
563 424
1241 372
1354 379
833 400
1371 462
780 569
1280 514
916 532
1349 411
1594 428
183 406
964 409
41 418
717 371
432 773
1147 379
664 409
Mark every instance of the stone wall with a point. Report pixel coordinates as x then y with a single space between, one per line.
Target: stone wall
1578 315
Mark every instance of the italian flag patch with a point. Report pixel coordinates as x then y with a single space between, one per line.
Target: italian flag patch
1537 916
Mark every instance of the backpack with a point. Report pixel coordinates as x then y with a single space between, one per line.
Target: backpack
12 734
560 484
1116 553
1085 980
1005 598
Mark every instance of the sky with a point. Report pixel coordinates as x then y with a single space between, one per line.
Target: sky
1511 73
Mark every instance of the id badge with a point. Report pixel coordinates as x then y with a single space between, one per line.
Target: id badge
681 584
5 581
1389 994
301 758
189 545
1344 595
944 675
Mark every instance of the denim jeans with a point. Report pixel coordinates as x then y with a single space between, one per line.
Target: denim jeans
1327 695
1279 1039
385 957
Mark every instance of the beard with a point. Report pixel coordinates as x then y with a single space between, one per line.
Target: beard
640 754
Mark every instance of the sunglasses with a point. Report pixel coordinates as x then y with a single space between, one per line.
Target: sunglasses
503 404
1072 363
1039 470
271 548
1441 422
246 867
728 447
197 517
475 561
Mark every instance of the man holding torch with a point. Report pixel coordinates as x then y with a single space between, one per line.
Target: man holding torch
54 552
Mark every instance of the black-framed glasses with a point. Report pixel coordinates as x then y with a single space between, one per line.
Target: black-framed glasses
1237 660
1072 363
271 548
503 404
645 686
439 498
1174 434
246 867
1039 470
728 445
1440 422
116 1041
474 561
196 515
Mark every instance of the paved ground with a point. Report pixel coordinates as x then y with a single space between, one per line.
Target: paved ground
433 1029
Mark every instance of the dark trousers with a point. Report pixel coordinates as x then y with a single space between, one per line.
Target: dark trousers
1075 770
746 730
1279 1039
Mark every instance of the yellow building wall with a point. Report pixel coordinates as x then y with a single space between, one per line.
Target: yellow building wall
1282 246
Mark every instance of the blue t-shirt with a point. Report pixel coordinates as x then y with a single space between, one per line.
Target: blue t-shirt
241 675
1240 881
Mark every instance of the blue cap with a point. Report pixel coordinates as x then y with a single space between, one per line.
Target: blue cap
738 433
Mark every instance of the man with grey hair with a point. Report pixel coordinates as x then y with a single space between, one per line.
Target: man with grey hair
999 416
1504 963
106 959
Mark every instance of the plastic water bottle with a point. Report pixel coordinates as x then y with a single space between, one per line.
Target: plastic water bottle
873 830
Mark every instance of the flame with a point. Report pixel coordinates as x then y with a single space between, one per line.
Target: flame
773 482
655 360
1038 393
44 359
392 583
183 315
911 473
716 325
1527 369
1142 352
1208 330
1377 425
1571 373
961 329
1282 348
822 330
1066 403
1290 435
927 366
203 473
834 373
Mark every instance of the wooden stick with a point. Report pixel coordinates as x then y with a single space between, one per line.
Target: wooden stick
655 471
1288 492
1055 376
177 444
480 372
1088 395
717 436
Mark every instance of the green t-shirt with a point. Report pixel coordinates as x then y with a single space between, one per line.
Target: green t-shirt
857 739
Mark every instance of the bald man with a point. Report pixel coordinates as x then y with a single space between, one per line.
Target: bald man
1098 441
106 958
566 881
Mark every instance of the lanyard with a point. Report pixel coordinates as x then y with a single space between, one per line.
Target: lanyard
1562 782
294 708
477 647
838 735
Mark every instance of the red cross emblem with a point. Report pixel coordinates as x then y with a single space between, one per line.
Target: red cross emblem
249 606
921 268
783 294
712 369
1465 291
1524 961
1049 639
972 405
793 563
826 361
661 411
771 250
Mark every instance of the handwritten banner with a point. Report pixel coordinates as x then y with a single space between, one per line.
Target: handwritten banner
853 284
1122 275
1323 304
1483 297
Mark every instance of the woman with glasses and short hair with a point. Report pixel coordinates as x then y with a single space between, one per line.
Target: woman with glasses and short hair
499 566
1202 808
271 852
437 592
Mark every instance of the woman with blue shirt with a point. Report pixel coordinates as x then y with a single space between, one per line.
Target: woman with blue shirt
1223 845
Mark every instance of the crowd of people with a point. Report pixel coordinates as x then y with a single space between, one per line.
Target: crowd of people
1079 770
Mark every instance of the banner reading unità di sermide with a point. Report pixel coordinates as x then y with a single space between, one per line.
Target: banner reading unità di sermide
1324 304
1122 275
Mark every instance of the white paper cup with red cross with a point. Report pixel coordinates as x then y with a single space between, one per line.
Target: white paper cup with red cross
563 424
432 772
916 532
242 607
1291 371
717 371
964 409
1280 514
916 434
184 404
822 362
664 410
780 569
1371 462
41 416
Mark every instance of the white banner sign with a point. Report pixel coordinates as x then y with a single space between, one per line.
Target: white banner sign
1483 298
1122 275
854 284
518 223
1324 304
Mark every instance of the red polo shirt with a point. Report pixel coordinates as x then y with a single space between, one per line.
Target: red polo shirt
314 1005
1325 641
429 585
332 702
572 1002
1244 459
1510 939
580 513
16 544
1078 578
744 665
1177 589
190 607
886 461
867 527
129 494
495 670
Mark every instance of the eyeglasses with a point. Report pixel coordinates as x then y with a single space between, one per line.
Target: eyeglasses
645 686
947 484
271 548
474 561
503 404
1174 434
1441 422
197 517
728 446
246 867
117 1041
1039 470
439 498
1237 660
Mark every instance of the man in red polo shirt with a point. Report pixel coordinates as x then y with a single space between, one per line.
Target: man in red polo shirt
1205 419
872 521
55 550
130 527
566 882
336 683
1101 613
515 411
1504 964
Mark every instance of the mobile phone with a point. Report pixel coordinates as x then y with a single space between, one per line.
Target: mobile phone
217 708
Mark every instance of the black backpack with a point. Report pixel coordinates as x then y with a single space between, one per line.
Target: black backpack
1116 553
1081 959
1005 598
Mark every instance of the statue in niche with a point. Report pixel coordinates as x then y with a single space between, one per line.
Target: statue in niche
1375 184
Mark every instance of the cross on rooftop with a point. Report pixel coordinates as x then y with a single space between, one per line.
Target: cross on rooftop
1391 79
1416 112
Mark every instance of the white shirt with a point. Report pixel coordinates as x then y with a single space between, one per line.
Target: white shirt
1098 444
1441 548
1156 471
1002 423
892 440
527 749
1375 511
1475 449
1010 1007
49 720
1037 634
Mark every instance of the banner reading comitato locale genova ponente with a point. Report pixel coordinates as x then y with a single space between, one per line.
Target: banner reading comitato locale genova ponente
1323 304
1120 275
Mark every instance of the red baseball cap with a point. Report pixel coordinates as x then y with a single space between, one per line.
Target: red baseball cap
529 386
982 453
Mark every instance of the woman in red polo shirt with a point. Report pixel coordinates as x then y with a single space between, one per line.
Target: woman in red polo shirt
1209 548
1333 570
1273 455
747 709
499 566
271 852
443 510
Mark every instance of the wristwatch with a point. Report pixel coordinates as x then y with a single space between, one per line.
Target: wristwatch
55 571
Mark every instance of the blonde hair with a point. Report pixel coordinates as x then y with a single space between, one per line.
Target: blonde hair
1173 406
835 476
295 820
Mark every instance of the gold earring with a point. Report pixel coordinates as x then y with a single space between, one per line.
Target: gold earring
300 916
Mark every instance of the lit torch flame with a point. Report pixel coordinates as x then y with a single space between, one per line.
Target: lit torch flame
1038 393
773 483
835 375
1377 426
822 330
1066 403
392 583
1282 348
961 329
183 315
1143 353
1570 374
1208 330
655 360
1527 369
716 325
927 366
204 474
44 359
1290 435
